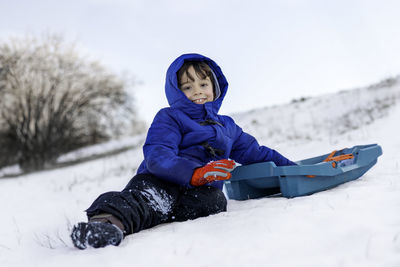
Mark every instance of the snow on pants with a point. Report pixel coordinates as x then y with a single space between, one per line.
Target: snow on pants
148 201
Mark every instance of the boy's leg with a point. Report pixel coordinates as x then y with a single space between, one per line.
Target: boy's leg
145 202
199 202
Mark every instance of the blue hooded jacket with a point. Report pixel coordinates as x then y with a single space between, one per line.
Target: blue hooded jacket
187 136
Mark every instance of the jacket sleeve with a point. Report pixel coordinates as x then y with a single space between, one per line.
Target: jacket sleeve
161 151
246 150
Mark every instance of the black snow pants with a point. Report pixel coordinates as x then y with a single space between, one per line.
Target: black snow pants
148 201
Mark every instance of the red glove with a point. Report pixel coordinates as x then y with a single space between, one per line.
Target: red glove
215 170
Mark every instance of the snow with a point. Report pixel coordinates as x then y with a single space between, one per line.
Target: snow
355 224
160 200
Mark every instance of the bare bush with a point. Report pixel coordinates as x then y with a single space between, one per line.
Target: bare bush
52 101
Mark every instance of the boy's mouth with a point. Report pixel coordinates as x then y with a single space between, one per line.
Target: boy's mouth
199 101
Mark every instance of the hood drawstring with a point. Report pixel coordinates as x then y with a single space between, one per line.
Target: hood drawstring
214 152
210 122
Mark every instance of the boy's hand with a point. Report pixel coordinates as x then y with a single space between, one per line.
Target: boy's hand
216 170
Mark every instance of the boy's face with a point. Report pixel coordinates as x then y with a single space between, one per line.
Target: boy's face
199 91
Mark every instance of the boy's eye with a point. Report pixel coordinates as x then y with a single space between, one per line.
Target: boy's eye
185 87
204 84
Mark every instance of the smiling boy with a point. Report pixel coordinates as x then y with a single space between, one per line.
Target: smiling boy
189 150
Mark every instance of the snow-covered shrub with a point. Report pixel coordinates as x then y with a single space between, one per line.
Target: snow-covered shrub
53 100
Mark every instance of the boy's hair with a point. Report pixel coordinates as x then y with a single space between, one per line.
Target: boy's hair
202 69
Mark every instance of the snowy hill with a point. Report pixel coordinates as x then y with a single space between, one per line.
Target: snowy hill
326 118
355 224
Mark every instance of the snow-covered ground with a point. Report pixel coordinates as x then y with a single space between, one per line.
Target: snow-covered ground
355 224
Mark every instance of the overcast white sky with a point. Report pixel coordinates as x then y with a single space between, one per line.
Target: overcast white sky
270 51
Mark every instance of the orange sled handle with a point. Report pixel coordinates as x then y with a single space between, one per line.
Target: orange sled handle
334 159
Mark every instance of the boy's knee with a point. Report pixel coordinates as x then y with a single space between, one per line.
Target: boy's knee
142 182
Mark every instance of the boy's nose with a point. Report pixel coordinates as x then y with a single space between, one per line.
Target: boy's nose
196 90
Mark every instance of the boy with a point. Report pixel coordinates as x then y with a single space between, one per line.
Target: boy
189 151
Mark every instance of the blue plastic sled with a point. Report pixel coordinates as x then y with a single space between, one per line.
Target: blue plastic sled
310 176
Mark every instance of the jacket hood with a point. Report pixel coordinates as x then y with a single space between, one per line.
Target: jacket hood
177 99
